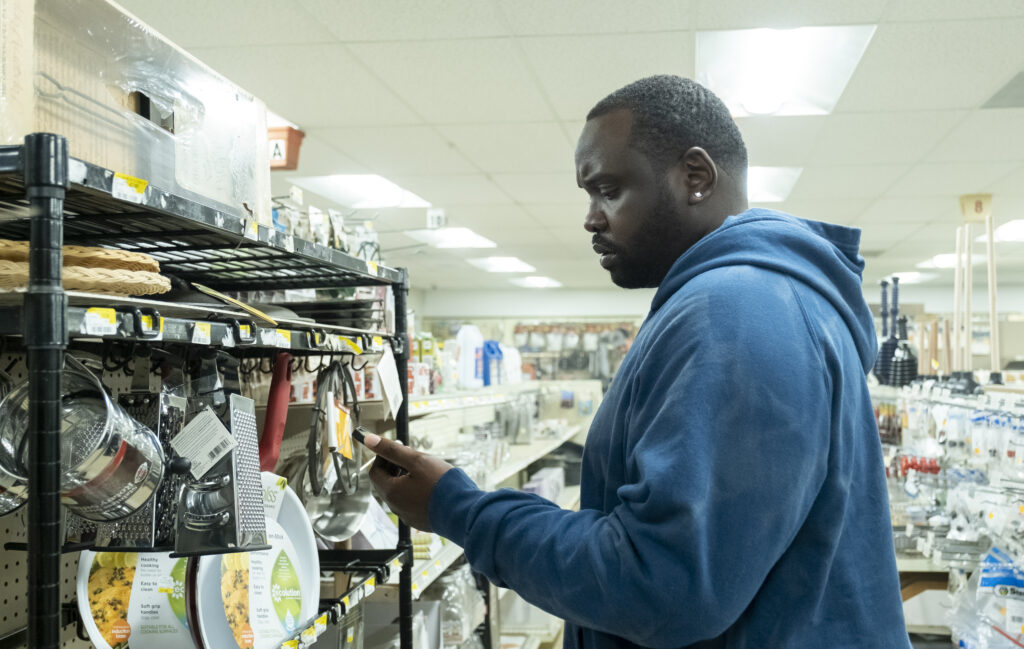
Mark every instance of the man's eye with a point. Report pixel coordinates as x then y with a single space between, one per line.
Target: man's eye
609 193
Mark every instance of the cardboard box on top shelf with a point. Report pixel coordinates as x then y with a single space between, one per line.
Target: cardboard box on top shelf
132 102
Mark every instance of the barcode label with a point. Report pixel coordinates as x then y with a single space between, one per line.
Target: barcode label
220 448
204 441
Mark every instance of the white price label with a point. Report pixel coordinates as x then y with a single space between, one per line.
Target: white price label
288 241
201 333
387 370
320 624
1015 615
100 322
204 441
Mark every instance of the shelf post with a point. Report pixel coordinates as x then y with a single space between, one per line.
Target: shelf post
45 166
402 434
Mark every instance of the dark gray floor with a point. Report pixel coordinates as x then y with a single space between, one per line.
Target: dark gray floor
930 641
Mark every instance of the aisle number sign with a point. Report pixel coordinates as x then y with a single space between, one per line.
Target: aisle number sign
975 207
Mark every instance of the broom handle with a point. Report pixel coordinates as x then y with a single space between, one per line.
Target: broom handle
933 347
955 356
968 284
993 324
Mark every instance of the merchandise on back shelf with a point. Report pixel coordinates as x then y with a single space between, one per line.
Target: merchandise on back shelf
538 341
520 337
319 226
511 366
339 238
470 357
365 244
492 362
555 338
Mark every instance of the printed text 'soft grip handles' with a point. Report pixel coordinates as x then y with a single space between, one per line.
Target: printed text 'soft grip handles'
390 467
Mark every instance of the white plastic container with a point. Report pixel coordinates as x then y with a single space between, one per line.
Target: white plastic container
470 358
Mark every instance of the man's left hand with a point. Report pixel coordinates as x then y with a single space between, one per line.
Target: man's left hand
407 494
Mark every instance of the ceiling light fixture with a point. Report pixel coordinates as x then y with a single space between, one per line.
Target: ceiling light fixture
948 260
914 277
800 71
535 281
502 264
361 191
771 184
1009 232
451 238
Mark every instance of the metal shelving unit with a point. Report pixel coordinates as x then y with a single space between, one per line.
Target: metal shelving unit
50 199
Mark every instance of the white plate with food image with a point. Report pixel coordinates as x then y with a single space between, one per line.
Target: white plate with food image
256 600
133 599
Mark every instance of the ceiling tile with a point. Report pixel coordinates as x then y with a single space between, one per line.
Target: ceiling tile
466 189
229 23
448 82
559 216
870 138
740 14
845 181
525 235
473 216
290 79
318 158
398 150
779 141
373 20
985 135
935 65
1012 184
530 17
578 71
949 179
932 10
919 210
884 236
832 210
542 188
513 148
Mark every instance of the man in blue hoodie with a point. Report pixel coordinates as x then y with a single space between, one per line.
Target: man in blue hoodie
733 493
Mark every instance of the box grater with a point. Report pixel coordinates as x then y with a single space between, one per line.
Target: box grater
223 511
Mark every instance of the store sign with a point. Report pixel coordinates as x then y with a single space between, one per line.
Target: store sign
975 207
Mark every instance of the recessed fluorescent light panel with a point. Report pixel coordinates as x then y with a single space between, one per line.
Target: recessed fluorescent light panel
771 184
948 260
451 238
502 265
535 281
1009 232
914 277
361 191
801 71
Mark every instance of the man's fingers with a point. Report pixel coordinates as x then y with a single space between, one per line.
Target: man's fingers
401 455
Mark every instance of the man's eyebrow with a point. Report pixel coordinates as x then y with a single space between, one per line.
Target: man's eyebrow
596 178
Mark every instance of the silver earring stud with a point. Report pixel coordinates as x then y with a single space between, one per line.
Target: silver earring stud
698 195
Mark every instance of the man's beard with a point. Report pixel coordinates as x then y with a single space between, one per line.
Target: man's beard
646 265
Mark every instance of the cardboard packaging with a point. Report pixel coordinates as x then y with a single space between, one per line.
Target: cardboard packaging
129 100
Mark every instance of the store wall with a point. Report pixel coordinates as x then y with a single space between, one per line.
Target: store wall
537 303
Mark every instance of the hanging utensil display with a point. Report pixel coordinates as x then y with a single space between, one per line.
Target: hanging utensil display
889 346
277 412
903 368
881 369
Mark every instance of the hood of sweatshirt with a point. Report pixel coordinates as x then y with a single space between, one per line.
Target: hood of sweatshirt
823 256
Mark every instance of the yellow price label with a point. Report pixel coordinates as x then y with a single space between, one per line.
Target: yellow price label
378 341
372 265
308 635
245 330
353 345
344 600
290 644
350 635
252 230
286 337
147 323
202 333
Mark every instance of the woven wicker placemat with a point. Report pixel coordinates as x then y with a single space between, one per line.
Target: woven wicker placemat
14 275
86 257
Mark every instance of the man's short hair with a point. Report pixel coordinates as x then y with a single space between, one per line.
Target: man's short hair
672 114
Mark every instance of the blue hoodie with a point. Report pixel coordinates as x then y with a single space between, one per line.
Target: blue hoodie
733 491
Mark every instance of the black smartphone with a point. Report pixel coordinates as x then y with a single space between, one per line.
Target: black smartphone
360 433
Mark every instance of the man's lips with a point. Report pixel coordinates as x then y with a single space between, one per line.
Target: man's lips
607 254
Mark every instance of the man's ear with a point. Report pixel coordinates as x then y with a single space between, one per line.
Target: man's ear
696 175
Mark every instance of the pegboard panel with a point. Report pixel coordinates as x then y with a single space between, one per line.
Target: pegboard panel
14 577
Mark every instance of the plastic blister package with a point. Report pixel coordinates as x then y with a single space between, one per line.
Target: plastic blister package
129 100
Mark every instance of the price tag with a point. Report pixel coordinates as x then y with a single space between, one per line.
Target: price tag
252 230
1015 615
204 441
128 188
284 337
387 370
339 423
101 322
308 635
369 586
378 341
320 624
350 635
201 333
288 241
372 267
290 644
245 331
426 573
351 344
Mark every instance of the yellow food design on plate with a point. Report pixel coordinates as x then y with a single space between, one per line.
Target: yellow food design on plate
110 587
234 592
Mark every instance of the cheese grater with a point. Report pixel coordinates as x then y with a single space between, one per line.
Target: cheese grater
152 527
223 510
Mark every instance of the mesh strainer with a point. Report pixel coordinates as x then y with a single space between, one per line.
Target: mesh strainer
110 464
